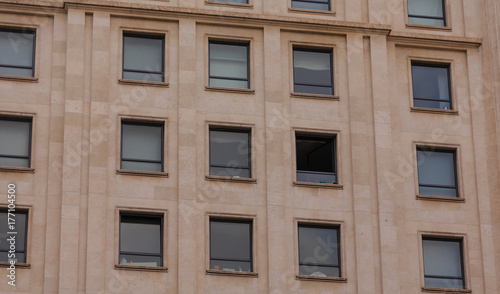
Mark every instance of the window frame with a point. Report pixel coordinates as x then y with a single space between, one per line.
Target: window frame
330 11
232 42
449 148
436 63
234 127
146 34
142 212
249 3
236 218
446 18
335 135
145 121
24 117
317 223
27 210
34 31
444 236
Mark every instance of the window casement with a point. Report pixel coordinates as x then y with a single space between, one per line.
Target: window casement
141 240
15 145
17 47
319 250
427 12
431 85
15 221
312 4
443 260
231 245
143 57
142 146
313 71
437 172
229 64
316 158
230 152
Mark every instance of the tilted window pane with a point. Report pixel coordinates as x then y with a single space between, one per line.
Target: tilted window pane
229 149
142 142
430 82
17 48
16 162
432 104
312 4
426 21
140 260
230 172
140 234
438 191
230 241
313 89
312 68
442 262
319 271
224 265
318 246
12 71
144 166
139 76
229 83
444 283
143 54
433 8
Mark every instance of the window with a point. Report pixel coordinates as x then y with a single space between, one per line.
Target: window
231 245
437 173
143 57
431 85
142 146
141 240
319 250
427 12
230 153
316 160
311 4
312 71
15 145
229 65
21 229
233 1
443 263
18 52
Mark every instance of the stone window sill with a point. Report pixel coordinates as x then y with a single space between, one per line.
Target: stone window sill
235 5
142 173
435 110
232 273
314 96
231 179
17 169
19 79
318 185
141 268
143 83
17 265
445 290
323 279
230 90
440 198
427 27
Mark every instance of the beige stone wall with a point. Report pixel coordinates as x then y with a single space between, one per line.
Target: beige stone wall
75 190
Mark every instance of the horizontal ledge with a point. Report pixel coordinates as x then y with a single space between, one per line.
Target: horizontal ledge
315 11
231 179
229 90
434 110
440 198
427 27
314 96
141 268
19 79
17 169
232 273
142 173
445 290
322 279
143 83
235 5
17 265
318 185
427 40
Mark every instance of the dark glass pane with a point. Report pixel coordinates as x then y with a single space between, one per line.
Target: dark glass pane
437 191
319 271
140 260
145 77
223 265
430 82
228 61
442 258
229 149
436 168
142 142
229 83
16 48
444 283
433 8
317 5
17 162
230 172
140 234
313 90
318 246
230 240
20 257
144 166
15 137
20 236
432 104
19 72
144 54
426 21
312 68
315 154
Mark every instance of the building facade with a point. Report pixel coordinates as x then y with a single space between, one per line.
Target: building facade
259 146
